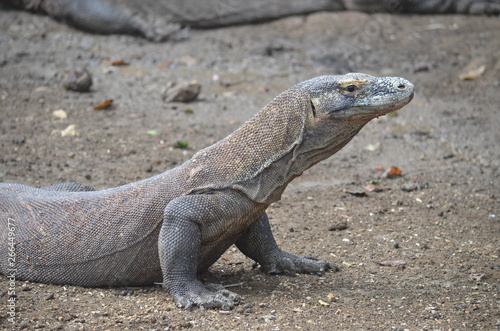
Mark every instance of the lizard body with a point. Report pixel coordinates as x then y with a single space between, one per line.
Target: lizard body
171 226
161 20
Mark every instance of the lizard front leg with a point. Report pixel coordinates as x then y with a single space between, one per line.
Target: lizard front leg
258 243
196 230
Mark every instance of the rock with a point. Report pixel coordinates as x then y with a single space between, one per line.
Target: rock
413 186
331 297
19 140
79 80
60 114
338 226
268 318
357 191
184 92
70 131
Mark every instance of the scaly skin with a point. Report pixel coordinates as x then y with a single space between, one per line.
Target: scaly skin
176 224
161 20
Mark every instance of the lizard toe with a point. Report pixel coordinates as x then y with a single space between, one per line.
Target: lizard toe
287 263
210 296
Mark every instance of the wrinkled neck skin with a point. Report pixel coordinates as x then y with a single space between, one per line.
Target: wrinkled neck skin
339 133
309 143
301 157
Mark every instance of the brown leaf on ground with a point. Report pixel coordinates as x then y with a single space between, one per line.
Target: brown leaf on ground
104 105
392 172
119 63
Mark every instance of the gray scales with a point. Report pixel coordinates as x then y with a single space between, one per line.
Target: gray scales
165 19
170 227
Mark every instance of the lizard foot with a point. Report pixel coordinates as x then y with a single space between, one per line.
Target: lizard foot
207 296
286 263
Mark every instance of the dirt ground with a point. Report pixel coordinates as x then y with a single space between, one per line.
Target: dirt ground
444 223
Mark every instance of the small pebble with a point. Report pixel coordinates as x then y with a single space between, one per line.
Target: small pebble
79 80
268 318
185 92
19 140
420 67
70 131
330 297
60 114
338 226
50 297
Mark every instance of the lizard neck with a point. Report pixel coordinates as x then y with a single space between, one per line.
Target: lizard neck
250 158
268 185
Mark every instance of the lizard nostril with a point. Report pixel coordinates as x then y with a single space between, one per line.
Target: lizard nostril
401 86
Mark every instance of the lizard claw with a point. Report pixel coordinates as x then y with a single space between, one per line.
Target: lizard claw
208 296
286 263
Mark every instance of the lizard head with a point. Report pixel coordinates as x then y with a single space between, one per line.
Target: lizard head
356 97
337 107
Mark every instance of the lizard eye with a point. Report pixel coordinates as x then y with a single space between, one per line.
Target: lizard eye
351 88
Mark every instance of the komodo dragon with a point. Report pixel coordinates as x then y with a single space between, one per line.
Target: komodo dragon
176 224
161 19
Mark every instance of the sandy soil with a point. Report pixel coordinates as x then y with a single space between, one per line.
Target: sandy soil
444 226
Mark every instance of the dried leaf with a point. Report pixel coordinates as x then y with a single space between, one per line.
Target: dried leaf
119 63
473 74
392 172
104 105
323 303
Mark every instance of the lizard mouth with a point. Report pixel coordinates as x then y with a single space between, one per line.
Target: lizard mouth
383 103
